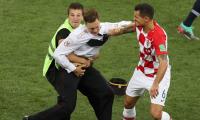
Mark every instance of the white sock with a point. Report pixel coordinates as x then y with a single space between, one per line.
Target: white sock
165 116
129 113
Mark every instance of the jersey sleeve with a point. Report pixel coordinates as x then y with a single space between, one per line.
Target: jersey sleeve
160 44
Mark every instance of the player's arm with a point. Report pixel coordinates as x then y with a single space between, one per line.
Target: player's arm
163 63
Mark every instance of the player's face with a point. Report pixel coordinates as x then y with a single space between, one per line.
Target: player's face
138 19
93 27
75 17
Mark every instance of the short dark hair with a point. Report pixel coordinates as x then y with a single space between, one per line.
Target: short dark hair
145 10
90 15
75 5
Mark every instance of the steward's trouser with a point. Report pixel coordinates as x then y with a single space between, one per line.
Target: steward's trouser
92 84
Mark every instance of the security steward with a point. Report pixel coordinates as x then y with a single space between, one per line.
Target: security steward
51 69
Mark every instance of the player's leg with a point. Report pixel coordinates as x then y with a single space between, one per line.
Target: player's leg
185 27
99 93
134 90
129 112
158 113
66 86
158 103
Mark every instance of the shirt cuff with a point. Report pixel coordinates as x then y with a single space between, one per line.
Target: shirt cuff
71 68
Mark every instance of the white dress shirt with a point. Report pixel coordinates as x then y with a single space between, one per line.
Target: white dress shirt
76 43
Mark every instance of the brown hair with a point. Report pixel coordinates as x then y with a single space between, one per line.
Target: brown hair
90 15
145 10
75 5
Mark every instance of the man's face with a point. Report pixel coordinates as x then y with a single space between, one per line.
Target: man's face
93 27
75 17
140 20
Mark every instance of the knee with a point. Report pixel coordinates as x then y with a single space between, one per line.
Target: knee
108 94
128 104
67 108
156 114
66 105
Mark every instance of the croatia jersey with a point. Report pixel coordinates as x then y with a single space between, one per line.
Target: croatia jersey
152 44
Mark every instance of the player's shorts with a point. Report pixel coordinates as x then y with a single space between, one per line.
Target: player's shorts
139 83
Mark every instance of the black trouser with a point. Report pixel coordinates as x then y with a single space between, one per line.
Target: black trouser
92 85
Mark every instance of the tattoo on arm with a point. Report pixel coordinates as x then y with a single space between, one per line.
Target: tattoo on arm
127 29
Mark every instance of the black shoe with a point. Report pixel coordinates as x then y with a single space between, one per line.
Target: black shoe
25 118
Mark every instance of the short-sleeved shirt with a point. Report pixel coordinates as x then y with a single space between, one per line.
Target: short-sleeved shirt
152 44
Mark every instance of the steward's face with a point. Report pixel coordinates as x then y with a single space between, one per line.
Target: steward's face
75 17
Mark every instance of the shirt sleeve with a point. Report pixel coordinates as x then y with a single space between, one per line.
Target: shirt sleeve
62 34
109 26
65 48
160 44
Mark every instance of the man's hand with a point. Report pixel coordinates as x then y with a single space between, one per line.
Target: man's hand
80 69
86 62
154 90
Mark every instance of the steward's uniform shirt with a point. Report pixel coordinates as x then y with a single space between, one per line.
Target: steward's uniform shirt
62 32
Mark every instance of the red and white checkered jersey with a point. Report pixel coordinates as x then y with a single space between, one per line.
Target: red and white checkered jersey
151 45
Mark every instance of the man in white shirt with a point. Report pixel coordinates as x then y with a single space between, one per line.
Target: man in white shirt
85 42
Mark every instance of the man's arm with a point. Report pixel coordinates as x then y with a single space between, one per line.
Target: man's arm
76 59
61 35
163 64
66 47
122 30
78 62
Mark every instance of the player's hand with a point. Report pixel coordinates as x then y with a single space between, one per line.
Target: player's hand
154 90
80 70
